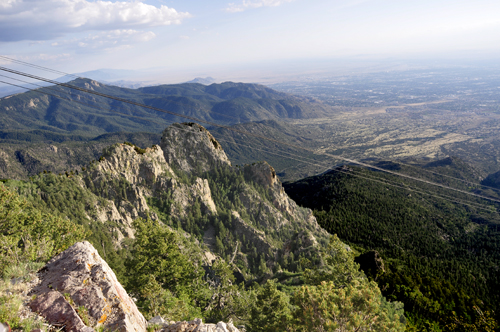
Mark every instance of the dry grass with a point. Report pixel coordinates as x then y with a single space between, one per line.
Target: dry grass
14 289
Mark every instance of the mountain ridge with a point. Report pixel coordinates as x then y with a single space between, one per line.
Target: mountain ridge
190 236
91 115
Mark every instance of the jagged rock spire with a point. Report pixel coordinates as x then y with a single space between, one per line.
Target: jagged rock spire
191 148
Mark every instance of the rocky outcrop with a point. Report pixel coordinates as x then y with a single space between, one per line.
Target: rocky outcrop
195 325
78 284
57 310
190 148
262 173
123 178
250 233
186 195
135 167
126 175
79 292
189 183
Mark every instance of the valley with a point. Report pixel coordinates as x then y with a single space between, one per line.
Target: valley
419 114
218 193
249 166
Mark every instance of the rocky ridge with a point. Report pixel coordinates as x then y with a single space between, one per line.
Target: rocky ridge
239 214
189 184
192 149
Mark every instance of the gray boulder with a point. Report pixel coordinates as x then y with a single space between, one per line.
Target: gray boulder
80 278
156 320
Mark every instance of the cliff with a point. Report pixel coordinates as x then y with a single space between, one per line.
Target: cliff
241 214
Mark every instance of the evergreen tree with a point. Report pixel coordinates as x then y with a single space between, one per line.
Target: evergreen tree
271 311
156 252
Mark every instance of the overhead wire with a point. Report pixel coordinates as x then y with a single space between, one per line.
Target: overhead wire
143 94
444 175
70 92
355 173
78 102
37 66
76 77
68 74
243 132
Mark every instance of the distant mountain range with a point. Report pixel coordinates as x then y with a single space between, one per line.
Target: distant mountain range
9 90
203 80
34 116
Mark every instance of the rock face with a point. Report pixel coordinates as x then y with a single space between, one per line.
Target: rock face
125 177
188 184
190 148
251 234
182 173
79 278
262 173
54 307
197 325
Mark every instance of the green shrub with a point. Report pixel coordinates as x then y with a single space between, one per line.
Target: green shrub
156 252
136 148
270 312
355 307
29 235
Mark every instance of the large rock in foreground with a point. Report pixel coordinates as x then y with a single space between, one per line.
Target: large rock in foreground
79 278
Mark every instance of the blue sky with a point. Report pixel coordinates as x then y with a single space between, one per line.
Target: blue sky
199 37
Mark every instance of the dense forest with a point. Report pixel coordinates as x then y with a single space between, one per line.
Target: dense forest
438 255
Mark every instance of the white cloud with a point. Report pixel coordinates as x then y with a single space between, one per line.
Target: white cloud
107 40
249 4
42 57
43 20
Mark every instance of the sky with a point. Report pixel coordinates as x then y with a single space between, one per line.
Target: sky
180 39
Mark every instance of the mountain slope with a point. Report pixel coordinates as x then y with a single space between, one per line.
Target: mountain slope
441 258
190 236
20 160
240 213
88 115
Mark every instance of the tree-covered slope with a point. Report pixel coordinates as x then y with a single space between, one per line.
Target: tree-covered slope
82 114
441 257
190 236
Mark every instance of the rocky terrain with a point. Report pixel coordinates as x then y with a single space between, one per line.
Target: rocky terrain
208 200
187 233
78 291
187 181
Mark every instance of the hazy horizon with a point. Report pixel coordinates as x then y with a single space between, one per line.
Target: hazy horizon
246 39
